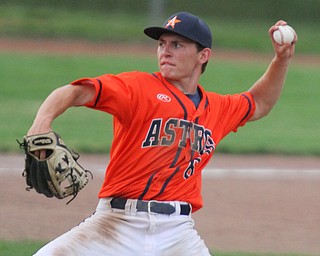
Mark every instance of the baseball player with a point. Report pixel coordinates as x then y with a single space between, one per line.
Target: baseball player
166 129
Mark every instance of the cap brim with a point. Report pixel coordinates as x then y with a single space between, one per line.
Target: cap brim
156 32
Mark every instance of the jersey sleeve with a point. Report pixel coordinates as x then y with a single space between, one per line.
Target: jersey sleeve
90 82
114 94
251 107
236 111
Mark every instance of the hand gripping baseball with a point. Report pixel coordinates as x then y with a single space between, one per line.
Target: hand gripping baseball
58 174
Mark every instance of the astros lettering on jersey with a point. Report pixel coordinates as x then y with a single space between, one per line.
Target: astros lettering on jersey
154 122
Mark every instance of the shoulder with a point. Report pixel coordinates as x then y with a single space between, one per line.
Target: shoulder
243 100
136 74
226 97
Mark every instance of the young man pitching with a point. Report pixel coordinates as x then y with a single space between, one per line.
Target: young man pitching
166 129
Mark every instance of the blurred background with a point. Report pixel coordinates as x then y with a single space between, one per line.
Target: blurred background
45 44
241 53
123 20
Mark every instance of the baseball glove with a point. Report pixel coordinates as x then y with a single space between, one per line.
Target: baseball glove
58 174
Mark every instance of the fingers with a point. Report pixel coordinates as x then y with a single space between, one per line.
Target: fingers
286 50
276 27
40 154
281 23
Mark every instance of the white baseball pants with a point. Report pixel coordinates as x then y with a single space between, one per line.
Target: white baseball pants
114 232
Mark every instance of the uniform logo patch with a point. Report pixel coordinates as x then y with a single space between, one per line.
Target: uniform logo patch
172 22
163 97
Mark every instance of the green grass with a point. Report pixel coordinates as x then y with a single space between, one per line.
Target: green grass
55 22
291 128
19 248
27 79
28 247
40 21
255 254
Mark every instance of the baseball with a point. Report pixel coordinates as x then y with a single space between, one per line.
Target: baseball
285 34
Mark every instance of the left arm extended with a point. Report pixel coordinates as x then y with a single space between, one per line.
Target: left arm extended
267 90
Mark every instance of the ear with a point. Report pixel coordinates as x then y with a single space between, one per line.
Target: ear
204 55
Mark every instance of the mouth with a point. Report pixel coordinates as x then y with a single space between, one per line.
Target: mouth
166 63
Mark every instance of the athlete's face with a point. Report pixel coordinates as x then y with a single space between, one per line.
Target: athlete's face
179 58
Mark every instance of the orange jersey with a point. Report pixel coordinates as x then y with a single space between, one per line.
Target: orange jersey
162 141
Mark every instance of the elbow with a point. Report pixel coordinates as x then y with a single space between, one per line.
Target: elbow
262 110
260 114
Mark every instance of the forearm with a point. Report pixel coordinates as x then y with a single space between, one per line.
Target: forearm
267 90
57 103
54 105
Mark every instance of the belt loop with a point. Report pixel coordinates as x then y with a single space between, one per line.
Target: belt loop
127 207
131 206
178 208
104 204
134 207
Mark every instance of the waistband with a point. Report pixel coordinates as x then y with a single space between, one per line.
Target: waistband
152 206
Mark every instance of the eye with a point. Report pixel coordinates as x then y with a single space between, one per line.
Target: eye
160 43
177 45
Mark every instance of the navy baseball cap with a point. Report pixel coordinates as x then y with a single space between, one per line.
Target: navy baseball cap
184 24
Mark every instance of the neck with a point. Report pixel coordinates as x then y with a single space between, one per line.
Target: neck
189 87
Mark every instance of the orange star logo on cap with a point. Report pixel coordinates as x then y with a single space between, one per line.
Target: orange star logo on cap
172 22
